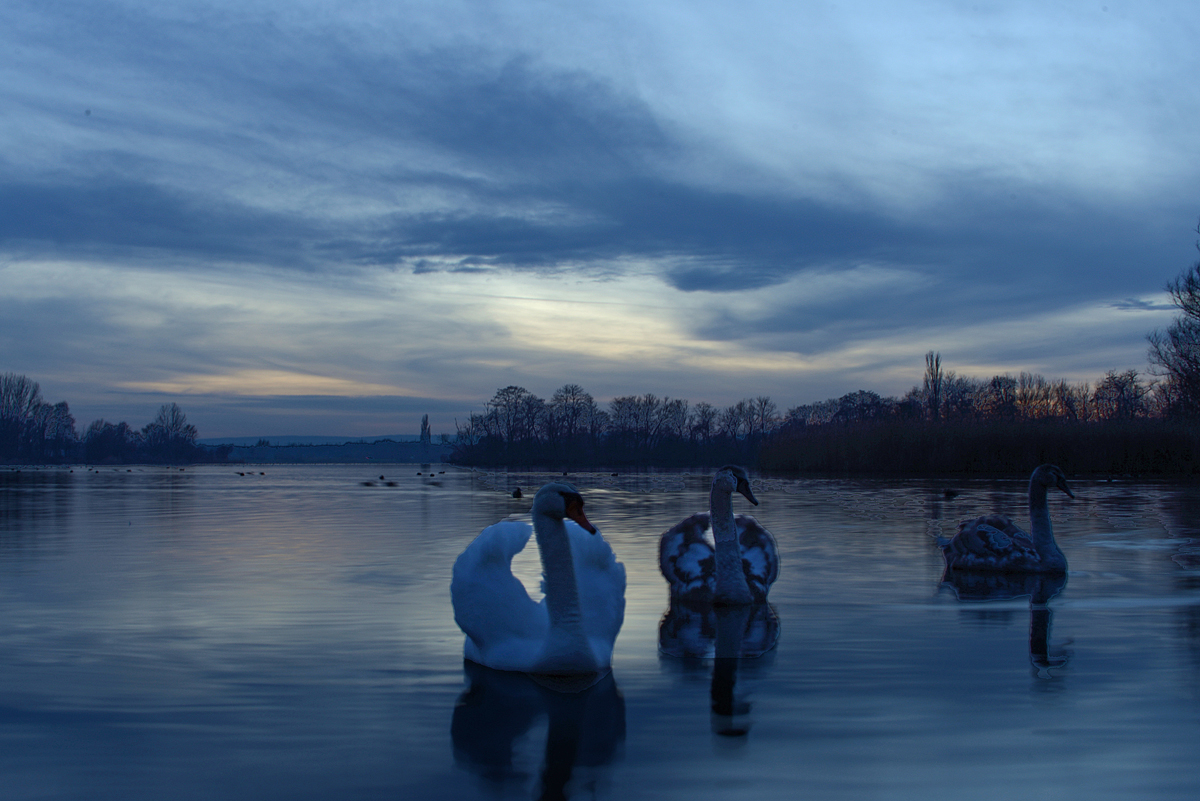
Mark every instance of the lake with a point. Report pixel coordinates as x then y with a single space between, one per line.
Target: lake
285 632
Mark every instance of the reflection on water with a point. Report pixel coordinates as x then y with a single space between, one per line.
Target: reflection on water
727 635
974 586
286 632
702 631
584 729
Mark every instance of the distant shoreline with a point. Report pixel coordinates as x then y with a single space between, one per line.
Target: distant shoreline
380 451
297 439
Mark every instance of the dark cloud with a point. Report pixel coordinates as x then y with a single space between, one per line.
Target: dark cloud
549 167
107 213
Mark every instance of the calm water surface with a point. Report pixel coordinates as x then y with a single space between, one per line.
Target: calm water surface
288 633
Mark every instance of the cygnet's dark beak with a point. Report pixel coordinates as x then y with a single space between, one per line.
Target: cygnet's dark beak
743 487
1062 485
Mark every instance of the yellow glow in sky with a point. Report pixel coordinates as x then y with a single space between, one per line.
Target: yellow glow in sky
265 382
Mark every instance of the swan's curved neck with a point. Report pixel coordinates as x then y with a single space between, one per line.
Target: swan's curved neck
566 640
731 578
1040 529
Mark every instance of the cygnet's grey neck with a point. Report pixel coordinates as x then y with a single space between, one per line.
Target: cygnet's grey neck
1040 529
731 587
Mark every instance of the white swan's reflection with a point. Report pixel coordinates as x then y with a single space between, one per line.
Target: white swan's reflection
585 729
1040 588
727 635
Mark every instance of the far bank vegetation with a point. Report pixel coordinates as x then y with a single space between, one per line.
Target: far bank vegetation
949 424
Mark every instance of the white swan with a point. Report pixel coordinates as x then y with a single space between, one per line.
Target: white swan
572 630
994 543
744 562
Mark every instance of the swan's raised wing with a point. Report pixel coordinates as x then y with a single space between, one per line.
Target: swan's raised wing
490 604
686 558
600 579
760 555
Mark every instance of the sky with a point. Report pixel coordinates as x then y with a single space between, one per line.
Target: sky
299 217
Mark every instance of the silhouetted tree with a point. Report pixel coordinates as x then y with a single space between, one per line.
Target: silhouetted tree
933 384
703 423
1174 353
737 421
1120 396
48 435
426 436
568 414
170 437
19 398
766 415
859 407
958 396
61 438
105 442
1070 403
1033 396
510 412
998 398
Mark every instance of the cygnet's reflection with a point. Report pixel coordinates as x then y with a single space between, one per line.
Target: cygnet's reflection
977 586
725 634
584 728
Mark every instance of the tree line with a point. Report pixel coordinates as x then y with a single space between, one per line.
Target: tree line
517 427
949 423
571 429
33 431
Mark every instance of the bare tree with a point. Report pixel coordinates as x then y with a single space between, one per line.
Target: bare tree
703 423
959 394
473 431
106 442
766 415
568 412
1068 401
932 385
19 398
60 431
813 414
1033 396
737 421
513 414
997 399
1174 353
1120 396
860 406
623 418
170 436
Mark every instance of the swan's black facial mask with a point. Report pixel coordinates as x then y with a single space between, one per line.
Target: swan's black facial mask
574 504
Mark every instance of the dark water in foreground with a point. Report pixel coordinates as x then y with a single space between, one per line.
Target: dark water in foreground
203 634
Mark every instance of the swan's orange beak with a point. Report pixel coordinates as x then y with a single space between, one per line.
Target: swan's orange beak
575 512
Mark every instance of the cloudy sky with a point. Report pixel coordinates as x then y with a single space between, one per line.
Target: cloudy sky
300 217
